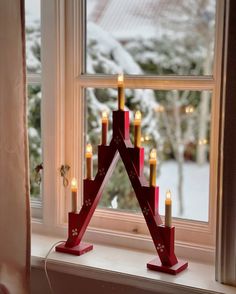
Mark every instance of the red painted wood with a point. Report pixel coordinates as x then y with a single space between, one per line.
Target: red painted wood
73 229
152 219
148 198
156 265
152 195
121 124
137 157
168 237
76 250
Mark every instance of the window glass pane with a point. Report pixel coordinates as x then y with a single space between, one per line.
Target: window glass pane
157 37
33 36
177 124
34 132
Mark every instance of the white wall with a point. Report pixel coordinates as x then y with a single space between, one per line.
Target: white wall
68 284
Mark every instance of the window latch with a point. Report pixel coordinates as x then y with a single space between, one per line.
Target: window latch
64 171
37 173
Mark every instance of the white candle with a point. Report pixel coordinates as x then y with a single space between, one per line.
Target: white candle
121 93
89 161
137 129
168 208
104 127
74 198
153 165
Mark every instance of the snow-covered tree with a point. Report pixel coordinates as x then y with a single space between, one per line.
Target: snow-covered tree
33 48
183 46
33 63
107 56
180 130
194 22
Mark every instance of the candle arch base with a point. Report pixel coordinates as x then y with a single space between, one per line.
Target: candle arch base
156 265
80 249
133 159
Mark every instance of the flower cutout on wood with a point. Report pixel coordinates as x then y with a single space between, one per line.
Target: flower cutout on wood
160 247
101 172
88 202
132 175
74 232
117 140
146 211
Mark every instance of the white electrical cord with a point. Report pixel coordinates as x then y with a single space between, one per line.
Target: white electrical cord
45 264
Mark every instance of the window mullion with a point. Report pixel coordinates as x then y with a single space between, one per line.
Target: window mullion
216 117
74 104
52 109
34 79
149 82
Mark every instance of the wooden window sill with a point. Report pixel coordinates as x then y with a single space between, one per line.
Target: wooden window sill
126 266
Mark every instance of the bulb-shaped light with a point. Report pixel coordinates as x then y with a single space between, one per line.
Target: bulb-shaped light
120 79
104 115
89 149
74 185
168 195
137 117
153 154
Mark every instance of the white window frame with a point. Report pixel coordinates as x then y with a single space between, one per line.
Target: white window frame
45 214
63 26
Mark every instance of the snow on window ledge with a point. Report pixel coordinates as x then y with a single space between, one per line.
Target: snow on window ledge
125 266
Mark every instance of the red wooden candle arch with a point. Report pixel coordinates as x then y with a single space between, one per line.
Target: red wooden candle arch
133 159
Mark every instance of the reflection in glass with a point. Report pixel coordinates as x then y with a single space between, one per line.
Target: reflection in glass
33 36
157 37
177 124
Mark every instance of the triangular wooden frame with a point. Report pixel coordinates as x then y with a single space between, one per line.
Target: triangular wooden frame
133 159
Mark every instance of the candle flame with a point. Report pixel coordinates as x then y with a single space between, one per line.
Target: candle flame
138 115
74 184
120 79
168 194
89 148
153 154
104 114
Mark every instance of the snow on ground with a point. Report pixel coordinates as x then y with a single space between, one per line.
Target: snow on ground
195 189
